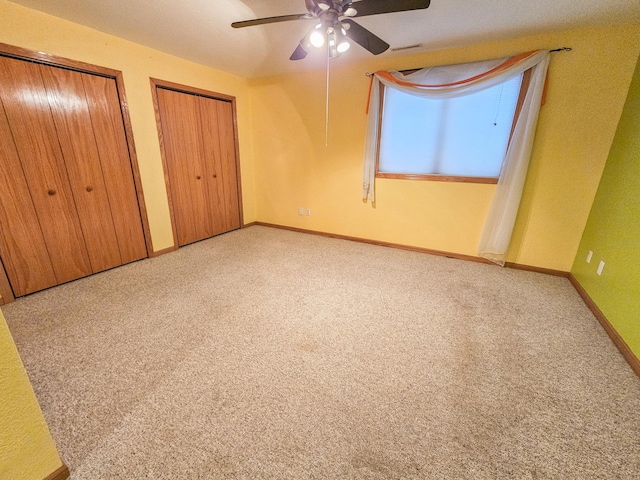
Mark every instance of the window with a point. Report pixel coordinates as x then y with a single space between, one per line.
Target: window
461 138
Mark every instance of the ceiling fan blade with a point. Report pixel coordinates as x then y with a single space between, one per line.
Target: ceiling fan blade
299 53
263 21
365 38
376 7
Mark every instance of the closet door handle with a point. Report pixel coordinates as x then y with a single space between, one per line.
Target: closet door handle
89 188
198 177
215 175
51 192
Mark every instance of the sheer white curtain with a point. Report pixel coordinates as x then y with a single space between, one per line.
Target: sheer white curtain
463 79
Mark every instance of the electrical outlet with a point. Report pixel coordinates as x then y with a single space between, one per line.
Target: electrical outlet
301 211
589 255
600 267
308 212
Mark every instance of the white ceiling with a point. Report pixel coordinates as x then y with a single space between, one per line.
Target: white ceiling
199 30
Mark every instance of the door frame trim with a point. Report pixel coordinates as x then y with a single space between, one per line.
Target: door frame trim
20 53
176 87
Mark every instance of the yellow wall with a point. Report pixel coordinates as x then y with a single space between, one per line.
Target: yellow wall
586 92
286 165
27 451
34 30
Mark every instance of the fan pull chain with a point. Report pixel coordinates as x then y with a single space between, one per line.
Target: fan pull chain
326 108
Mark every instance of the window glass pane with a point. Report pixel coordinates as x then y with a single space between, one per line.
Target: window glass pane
463 136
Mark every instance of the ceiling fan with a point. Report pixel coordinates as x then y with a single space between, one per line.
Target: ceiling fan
335 24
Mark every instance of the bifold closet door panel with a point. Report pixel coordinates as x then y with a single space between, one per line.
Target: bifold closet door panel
181 132
68 103
111 141
22 247
34 133
208 112
229 165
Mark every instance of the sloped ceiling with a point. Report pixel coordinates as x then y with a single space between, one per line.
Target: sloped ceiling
199 30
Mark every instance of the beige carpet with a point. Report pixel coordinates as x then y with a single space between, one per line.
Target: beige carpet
269 354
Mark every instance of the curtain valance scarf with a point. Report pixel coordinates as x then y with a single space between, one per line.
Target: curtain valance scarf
458 80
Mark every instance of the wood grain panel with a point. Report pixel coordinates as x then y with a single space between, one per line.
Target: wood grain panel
208 113
229 164
6 293
68 103
33 130
22 246
184 158
61 473
55 60
111 142
214 128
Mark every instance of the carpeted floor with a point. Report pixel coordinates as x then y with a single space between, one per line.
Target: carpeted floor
269 354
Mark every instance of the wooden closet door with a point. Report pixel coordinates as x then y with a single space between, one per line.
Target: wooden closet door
228 164
33 131
115 160
210 136
65 92
68 204
181 135
22 246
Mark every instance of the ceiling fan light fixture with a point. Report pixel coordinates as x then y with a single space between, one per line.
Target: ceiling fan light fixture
343 43
337 40
350 12
330 13
343 46
316 38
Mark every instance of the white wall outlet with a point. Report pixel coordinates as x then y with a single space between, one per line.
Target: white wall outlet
600 267
301 211
308 212
589 255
